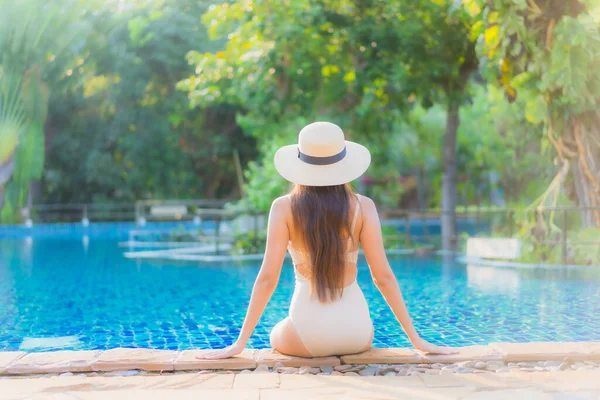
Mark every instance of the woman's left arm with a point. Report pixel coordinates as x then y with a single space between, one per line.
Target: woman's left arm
266 281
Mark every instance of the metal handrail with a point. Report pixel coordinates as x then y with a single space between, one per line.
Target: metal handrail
214 209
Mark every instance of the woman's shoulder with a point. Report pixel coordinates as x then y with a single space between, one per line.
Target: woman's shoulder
365 201
282 204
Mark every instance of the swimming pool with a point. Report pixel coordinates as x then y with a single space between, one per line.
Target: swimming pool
64 293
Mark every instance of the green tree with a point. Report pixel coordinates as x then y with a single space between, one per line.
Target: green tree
37 38
283 66
549 51
439 58
141 140
350 62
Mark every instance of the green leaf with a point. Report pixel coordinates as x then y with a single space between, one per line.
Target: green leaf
472 7
536 110
492 38
329 70
518 81
477 29
350 76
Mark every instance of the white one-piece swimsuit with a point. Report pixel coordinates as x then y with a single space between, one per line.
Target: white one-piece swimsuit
342 326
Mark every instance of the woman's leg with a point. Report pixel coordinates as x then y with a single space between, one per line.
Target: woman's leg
285 339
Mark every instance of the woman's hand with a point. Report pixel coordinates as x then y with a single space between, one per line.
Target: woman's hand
229 351
426 347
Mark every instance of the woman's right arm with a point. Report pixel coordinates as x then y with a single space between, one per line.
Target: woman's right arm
372 243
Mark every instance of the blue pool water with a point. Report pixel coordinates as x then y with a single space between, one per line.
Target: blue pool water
90 297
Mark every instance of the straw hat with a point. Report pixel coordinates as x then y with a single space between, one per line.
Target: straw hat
322 157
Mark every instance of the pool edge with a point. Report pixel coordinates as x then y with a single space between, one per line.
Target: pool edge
125 359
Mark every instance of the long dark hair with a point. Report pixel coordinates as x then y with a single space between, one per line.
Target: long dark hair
322 215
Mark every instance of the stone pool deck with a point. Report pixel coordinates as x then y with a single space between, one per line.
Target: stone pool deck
568 385
122 359
497 371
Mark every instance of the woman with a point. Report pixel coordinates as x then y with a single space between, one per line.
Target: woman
321 223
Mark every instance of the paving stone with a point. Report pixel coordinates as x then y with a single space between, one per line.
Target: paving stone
578 395
260 381
54 362
586 368
468 353
525 393
383 356
542 351
566 380
129 359
269 357
8 357
591 350
187 361
350 373
482 380
356 391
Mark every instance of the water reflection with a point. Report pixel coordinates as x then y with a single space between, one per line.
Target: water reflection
493 280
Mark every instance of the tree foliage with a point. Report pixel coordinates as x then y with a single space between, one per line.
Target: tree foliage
36 39
549 52
141 140
353 62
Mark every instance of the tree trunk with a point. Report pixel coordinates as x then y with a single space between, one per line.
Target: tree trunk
6 171
586 172
420 188
582 191
449 180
